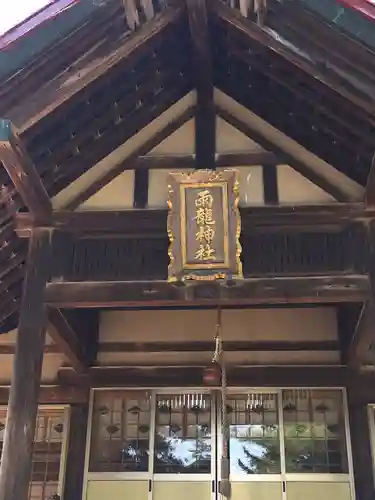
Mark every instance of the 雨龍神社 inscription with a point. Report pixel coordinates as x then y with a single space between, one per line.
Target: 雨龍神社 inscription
204 226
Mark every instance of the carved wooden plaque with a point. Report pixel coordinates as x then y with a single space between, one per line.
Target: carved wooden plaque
204 226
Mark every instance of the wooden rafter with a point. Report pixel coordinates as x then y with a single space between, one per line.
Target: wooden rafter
315 177
23 173
205 120
129 162
67 341
57 94
254 32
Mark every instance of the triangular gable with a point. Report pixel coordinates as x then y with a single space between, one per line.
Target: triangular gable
305 162
231 140
108 169
293 187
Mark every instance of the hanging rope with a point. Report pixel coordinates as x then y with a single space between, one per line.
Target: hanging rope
225 486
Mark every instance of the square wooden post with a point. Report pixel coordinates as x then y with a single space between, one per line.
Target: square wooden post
75 460
16 460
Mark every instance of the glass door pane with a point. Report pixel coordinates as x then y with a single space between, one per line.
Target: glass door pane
254 446
314 428
316 457
183 434
183 448
120 444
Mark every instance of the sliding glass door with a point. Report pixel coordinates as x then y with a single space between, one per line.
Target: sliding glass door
184 447
255 456
156 445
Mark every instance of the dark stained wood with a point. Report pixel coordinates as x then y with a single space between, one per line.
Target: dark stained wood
270 185
53 395
15 467
171 162
238 376
347 319
228 346
234 19
9 349
321 39
303 169
60 91
147 222
143 149
370 186
75 459
205 118
66 339
364 334
315 289
361 443
23 173
141 181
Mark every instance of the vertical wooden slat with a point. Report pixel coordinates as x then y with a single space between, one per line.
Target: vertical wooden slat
16 461
270 184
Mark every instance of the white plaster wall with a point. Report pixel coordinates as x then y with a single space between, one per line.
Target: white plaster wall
242 325
294 188
192 325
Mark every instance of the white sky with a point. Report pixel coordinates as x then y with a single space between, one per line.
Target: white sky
15 11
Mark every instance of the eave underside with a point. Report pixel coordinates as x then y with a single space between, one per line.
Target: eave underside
310 91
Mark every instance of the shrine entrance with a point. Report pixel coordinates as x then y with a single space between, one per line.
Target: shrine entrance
282 445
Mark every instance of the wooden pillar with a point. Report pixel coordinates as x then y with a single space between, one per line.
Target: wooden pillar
24 391
75 463
361 447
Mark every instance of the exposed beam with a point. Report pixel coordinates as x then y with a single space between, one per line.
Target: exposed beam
146 223
239 376
245 159
252 31
53 395
15 469
7 349
23 173
205 119
129 162
315 177
364 334
251 292
66 339
228 346
370 186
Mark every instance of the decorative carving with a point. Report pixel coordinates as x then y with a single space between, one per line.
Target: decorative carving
204 226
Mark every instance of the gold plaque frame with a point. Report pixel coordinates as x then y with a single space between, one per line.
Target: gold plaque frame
180 267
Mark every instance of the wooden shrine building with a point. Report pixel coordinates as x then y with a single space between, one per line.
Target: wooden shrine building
187 251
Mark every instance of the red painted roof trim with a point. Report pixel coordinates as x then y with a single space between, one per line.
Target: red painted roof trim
49 12
365 7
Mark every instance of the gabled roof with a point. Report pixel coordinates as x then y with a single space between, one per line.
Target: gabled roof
102 82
